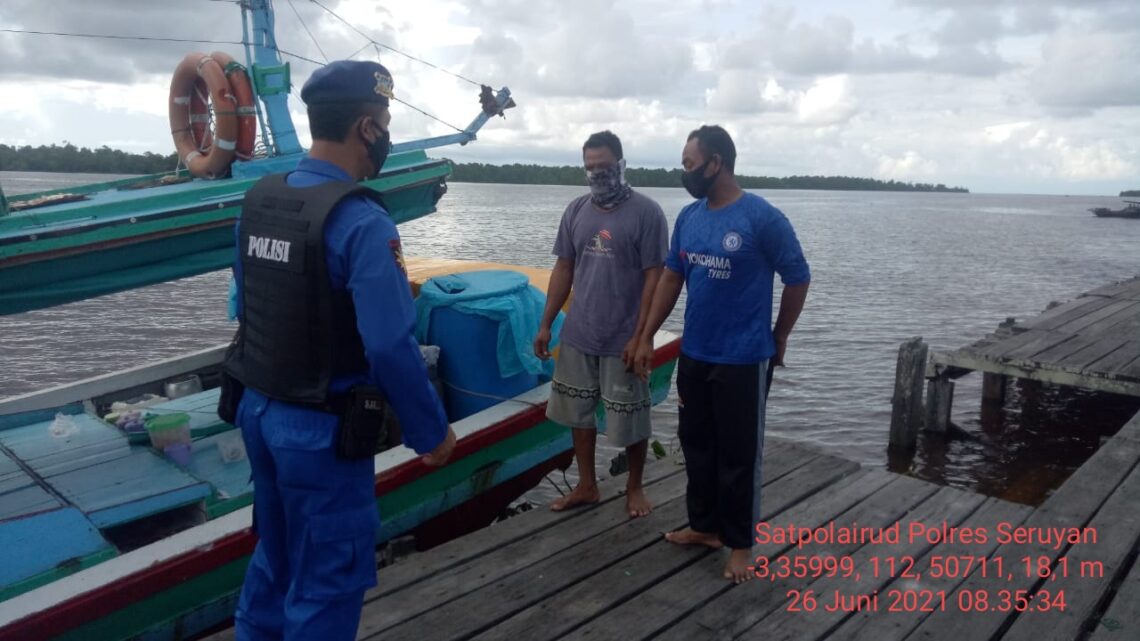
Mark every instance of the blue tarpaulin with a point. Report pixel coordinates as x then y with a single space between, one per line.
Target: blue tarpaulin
504 297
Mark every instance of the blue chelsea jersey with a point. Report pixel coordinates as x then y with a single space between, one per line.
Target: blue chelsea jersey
728 258
363 255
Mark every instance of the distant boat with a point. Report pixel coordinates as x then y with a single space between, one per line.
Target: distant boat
1131 210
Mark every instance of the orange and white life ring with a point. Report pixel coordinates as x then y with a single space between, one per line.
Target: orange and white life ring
246 112
200 116
214 162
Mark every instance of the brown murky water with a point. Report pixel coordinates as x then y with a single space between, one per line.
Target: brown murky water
885 266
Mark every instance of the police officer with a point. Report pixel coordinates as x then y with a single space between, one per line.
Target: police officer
325 311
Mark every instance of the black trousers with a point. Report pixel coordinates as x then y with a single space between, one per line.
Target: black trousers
721 428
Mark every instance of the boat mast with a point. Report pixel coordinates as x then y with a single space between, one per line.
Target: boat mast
270 77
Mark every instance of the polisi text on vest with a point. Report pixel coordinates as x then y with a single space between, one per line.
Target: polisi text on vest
269 248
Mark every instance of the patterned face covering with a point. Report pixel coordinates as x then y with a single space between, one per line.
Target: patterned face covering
608 187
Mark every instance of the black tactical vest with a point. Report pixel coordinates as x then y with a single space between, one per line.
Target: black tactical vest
296 332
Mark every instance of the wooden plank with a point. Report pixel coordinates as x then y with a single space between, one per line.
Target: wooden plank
130 488
1075 351
1053 318
1035 343
1089 569
948 506
437 590
1117 360
994 352
1101 347
1122 618
477 611
1091 380
566 610
1129 315
734 612
1102 319
1072 505
1071 309
56 537
448 557
895 626
1124 289
1131 370
27 500
859 498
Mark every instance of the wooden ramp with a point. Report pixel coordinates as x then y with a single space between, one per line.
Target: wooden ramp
1092 342
596 574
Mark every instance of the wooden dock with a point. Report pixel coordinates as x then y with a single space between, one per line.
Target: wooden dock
1091 342
595 574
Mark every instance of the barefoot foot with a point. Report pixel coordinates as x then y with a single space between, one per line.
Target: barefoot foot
636 503
581 495
739 568
689 536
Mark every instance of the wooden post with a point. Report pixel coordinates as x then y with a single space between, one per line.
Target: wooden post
939 399
993 388
906 405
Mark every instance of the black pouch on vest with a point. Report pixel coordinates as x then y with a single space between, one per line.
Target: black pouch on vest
231 390
363 426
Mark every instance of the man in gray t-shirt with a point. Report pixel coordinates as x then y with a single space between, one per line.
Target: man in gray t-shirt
611 247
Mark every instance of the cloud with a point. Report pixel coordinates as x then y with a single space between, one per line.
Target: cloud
826 101
1081 71
589 48
909 166
962 47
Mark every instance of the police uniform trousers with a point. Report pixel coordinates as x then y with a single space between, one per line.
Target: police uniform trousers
721 428
315 516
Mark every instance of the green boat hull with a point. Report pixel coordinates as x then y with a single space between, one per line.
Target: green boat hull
122 239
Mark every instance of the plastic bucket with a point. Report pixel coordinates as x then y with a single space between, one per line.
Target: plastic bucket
168 429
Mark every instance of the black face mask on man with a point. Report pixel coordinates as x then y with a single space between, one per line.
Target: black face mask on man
697 183
378 151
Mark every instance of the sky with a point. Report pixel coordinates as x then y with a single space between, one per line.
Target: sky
999 96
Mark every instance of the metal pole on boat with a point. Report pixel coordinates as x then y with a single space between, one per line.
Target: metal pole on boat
271 79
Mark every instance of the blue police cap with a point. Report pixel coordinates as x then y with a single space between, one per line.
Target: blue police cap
348 81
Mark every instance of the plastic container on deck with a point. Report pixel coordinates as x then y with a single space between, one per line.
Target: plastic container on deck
474 319
168 429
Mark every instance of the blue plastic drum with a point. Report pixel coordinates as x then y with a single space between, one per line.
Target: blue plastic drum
472 322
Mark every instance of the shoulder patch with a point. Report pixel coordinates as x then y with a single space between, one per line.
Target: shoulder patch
398 255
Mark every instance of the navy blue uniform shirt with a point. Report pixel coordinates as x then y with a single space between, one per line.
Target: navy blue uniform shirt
362 250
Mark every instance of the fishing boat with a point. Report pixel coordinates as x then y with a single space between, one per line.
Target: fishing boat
105 536
1131 209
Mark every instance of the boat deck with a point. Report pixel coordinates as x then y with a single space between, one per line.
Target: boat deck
87 492
595 574
1092 342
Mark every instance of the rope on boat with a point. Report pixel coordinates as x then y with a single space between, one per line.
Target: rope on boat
306 27
106 36
393 49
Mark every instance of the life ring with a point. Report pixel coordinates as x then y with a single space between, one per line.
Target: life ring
200 116
216 161
246 111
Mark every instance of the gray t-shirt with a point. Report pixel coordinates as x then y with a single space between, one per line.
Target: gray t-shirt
611 251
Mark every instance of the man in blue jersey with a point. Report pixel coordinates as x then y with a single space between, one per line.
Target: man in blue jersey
725 250
326 333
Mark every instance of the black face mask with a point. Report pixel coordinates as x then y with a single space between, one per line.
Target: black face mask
696 183
378 151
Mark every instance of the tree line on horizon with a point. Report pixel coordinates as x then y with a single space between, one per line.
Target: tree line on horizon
1130 192
567 175
68 158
